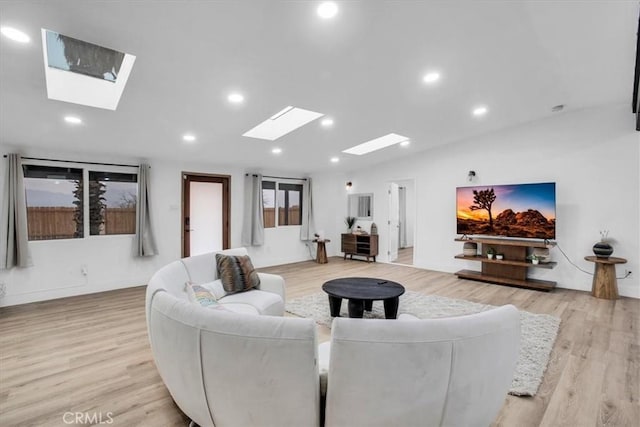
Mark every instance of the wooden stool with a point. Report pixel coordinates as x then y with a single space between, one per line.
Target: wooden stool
321 253
605 284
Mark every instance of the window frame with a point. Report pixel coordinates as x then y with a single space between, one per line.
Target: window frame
86 167
102 170
277 182
49 164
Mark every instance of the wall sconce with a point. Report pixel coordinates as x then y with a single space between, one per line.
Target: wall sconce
349 185
471 175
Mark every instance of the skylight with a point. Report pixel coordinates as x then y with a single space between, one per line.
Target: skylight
281 123
376 144
84 73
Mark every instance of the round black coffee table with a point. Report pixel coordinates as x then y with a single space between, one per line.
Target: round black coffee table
361 293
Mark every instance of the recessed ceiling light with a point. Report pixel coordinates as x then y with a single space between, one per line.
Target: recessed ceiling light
376 144
327 10
276 150
431 77
188 137
15 34
480 111
73 120
327 122
335 159
281 123
405 143
235 98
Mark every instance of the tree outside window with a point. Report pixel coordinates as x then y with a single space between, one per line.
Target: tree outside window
112 203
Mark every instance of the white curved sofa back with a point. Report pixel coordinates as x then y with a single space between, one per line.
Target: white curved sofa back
225 368
434 372
229 369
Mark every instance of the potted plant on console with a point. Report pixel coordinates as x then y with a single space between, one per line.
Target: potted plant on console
350 221
535 259
491 252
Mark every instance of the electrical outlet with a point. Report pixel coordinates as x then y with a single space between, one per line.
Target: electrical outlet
3 290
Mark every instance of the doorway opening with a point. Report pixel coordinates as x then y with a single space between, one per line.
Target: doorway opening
205 213
401 222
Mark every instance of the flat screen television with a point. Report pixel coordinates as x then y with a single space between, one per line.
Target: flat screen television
518 210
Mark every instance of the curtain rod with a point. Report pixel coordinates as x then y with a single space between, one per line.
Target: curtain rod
277 177
75 161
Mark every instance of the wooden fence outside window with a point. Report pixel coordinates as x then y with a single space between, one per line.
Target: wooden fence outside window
270 216
47 223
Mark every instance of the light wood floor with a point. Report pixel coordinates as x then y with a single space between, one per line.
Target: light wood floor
90 353
405 256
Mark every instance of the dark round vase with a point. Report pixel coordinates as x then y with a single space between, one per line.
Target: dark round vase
602 250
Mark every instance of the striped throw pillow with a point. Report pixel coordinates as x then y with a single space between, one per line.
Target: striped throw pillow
236 273
200 294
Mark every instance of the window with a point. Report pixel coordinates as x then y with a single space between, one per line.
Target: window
269 203
55 207
112 203
56 198
283 198
289 204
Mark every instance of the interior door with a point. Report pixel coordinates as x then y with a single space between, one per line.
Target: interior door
205 213
394 221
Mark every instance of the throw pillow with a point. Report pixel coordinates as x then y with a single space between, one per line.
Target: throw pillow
200 294
236 273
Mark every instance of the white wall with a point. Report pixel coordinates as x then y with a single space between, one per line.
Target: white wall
592 155
58 264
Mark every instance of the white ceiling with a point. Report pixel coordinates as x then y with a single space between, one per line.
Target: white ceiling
364 69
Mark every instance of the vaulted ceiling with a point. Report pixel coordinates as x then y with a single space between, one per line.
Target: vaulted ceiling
364 68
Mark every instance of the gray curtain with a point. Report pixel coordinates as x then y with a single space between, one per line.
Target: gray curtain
402 238
252 219
307 230
145 242
14 237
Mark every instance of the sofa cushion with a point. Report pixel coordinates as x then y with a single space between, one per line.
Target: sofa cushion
237 273
215 288
240 308
200 295
265 302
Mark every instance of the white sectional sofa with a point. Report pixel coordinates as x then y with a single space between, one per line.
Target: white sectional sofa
245 365
453 371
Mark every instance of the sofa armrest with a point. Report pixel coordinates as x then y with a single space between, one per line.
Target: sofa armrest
272 283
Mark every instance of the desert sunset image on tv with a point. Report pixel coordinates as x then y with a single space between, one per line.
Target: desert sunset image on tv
519 210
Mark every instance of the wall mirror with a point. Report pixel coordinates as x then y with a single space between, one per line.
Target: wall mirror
361 206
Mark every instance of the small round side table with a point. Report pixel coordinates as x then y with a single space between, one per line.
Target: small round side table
605 284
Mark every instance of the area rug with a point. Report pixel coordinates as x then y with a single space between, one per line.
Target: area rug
539 331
